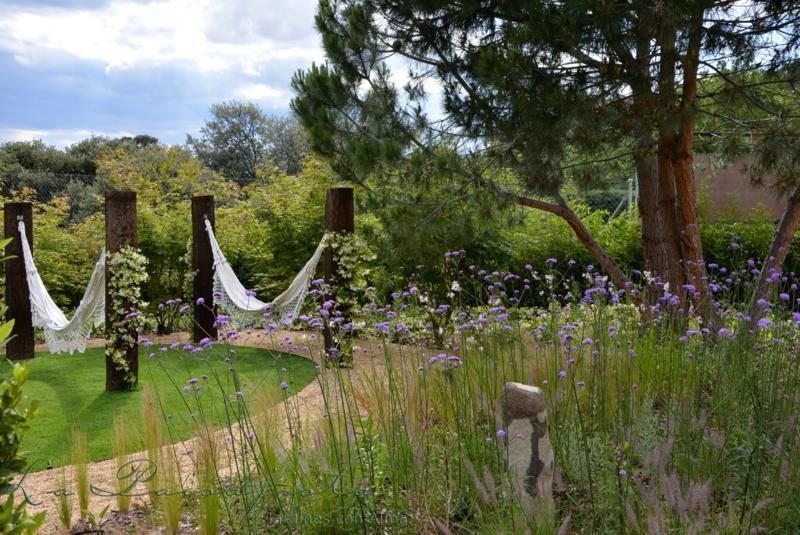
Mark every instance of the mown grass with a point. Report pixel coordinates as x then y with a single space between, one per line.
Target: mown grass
69 390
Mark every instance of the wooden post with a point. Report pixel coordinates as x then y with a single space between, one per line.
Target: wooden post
120 232
339 218
203 267
18 299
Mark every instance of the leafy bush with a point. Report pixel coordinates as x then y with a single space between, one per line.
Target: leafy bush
14 420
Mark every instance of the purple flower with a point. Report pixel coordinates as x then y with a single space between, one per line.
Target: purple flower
239 394
284 385
501 434
562 373
201 301
552 261
623 473
764 323
587 341
184 309
194 381
187 388
580 384
250 293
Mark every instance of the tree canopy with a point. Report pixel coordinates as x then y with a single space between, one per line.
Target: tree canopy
539 89
240 136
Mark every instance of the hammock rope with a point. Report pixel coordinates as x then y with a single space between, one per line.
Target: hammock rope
242 306
62 335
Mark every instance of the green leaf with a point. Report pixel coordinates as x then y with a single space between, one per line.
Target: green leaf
5 331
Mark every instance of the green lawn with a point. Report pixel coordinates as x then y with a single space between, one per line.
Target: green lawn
70 391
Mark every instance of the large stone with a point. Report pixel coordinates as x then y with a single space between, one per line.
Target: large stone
530 454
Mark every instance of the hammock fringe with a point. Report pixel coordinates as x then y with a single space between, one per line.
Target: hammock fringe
62 335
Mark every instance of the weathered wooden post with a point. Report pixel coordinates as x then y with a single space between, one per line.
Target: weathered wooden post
203 267
120 232
18 299
530 453
339 218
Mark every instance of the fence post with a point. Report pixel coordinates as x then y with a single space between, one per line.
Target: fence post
339 218
18 299
203 267
120 232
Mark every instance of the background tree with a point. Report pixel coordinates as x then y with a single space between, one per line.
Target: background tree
50 173
757 115
526 86
239 137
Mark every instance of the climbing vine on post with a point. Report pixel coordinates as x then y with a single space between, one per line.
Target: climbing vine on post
339 219
127 274
351 255
122 293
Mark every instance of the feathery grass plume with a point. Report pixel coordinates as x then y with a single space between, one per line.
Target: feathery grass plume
80 462
207 483
265 422
171 503
122 449
152 441
64 499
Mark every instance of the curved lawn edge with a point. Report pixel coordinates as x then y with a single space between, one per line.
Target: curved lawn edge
70 391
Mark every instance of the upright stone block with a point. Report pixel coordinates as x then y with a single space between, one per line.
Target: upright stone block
530 453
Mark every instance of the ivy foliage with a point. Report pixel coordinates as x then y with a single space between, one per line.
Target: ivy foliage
127 275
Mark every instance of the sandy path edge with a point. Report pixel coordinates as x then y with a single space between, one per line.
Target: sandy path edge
368 360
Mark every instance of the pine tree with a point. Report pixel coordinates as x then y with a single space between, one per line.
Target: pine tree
526 85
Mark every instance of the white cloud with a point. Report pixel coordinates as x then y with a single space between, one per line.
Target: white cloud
60 137
209 36
262 93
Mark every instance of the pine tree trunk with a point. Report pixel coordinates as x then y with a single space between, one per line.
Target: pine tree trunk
773 263
656 256
667 207
691 244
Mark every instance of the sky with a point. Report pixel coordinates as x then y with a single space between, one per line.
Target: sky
73 68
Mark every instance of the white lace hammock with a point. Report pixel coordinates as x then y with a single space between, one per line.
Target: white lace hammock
242 307
62 335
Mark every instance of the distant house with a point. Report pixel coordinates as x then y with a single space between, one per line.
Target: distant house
728 192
